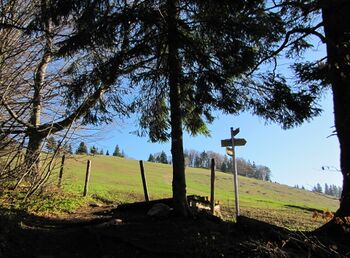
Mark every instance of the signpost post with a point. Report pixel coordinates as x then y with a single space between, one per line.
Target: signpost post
233 142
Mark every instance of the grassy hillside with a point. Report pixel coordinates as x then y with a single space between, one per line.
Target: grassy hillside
119 180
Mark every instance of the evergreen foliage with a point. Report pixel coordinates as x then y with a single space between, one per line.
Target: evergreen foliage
151 158
117 152
82 149
331 190
199 54
93 150
317 188
162 158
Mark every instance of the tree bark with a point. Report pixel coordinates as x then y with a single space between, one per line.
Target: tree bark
32 158
177 150
336 21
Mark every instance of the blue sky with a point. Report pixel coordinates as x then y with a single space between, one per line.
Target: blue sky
295 156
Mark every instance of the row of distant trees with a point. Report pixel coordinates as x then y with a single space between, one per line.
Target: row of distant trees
52 145
160 157
83 149
196 159
332 190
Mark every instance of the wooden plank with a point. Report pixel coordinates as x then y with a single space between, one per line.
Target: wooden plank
237 142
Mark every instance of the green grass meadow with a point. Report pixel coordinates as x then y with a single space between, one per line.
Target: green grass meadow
119 180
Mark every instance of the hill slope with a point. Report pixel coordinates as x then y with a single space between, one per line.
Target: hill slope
119 180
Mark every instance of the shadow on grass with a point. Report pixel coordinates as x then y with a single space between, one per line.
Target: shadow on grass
303 208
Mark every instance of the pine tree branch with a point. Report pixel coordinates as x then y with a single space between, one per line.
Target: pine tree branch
286 43
91 100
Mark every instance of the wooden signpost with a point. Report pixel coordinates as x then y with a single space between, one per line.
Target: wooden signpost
212 184
230 145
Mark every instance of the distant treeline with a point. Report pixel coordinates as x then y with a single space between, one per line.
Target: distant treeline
52 145
331 190
196 159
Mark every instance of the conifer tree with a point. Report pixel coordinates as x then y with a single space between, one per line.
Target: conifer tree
151 158
117 151
199 53
163 158
93 150
82 149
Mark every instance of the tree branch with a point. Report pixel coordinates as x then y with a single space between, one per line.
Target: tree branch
14 115
306 32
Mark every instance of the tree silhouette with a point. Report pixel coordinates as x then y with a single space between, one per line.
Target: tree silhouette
82 149
151 158
93 150
162 158
117 152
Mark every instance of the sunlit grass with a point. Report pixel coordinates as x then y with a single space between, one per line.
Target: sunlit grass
119 180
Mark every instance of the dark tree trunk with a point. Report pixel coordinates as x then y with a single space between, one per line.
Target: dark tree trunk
32 157
177 151
336 21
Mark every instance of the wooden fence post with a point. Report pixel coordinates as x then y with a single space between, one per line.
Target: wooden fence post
144 181
87 178
61 172
212 185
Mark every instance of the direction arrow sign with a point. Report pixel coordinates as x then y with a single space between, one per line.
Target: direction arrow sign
237 142
234 132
